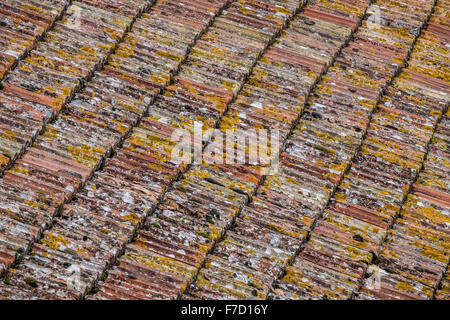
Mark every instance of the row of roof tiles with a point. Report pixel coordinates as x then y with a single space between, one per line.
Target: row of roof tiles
270 230
136 162
175 240
350 235
64 156
212 180
25 114
217 179
443 292
416 251
25 22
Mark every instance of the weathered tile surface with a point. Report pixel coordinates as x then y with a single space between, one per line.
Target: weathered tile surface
95 206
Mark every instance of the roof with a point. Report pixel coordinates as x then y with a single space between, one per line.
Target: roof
93 207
